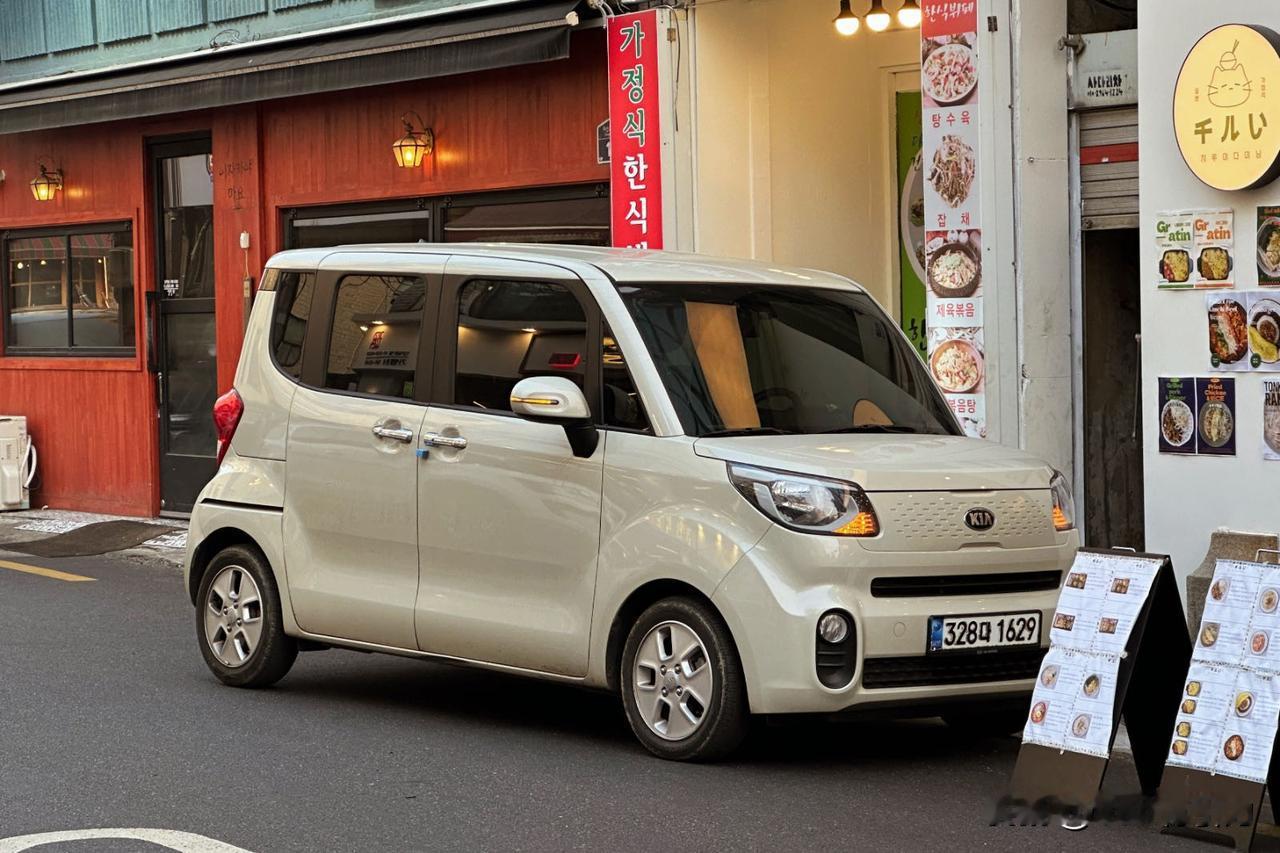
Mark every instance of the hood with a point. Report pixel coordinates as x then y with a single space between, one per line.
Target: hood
888 463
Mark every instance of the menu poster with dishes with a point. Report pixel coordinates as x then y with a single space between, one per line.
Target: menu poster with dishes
1195 249
1264 331
952 206
1271 420
1228 714
1269 246
1074 702
1215 416
1177 396
1228 330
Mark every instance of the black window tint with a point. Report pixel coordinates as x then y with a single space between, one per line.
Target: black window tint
289 325
621 401
508 330
373 344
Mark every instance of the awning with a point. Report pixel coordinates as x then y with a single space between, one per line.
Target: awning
518 35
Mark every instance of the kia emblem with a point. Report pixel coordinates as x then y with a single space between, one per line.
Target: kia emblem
979 519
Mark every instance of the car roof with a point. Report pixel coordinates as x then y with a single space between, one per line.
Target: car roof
640 266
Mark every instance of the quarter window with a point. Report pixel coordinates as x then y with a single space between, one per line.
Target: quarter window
510 330
621 400
294 291
373 343
70 292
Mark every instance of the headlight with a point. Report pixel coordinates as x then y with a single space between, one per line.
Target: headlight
807 504
1064 507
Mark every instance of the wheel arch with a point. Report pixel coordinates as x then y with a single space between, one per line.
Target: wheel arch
210 546
636 603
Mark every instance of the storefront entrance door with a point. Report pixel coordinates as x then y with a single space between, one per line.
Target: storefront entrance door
186 355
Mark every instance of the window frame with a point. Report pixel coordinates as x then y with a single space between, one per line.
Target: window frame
447 331
114 226
315 345
271 284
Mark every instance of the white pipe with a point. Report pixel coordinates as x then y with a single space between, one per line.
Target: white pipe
34 460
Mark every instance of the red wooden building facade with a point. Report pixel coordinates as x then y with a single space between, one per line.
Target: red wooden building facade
96 418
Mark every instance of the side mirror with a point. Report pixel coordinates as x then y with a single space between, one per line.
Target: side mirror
556 400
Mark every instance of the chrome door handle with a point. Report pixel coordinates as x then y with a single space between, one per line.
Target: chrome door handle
435 439
400 434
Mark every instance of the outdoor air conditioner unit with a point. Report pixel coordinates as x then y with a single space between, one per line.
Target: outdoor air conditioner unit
17 463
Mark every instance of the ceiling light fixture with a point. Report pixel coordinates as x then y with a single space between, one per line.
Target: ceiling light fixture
877 18
846 22
909 15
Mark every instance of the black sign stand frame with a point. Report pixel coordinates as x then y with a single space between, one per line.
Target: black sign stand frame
1148 688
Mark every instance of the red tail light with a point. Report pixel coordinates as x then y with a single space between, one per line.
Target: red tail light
226 417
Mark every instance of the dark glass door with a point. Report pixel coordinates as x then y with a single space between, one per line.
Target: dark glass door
186 353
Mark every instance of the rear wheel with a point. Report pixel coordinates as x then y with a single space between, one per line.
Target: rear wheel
238 621
682 685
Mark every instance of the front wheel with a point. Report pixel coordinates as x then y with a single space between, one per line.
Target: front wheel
238 621
682 685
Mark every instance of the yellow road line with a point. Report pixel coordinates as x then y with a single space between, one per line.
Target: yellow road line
44 573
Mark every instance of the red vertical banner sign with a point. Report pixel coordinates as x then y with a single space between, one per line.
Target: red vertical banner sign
635 135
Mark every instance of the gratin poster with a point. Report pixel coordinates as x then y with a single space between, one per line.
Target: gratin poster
1195 249
1216 416
1271 419
1269 246
949 158
1177 414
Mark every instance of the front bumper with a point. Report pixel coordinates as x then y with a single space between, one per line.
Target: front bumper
775 594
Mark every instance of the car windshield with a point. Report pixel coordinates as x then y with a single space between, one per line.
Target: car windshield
753 359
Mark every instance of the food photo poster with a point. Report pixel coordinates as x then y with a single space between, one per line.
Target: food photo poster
1216 416
1195 249
1271 420
1228 330
1264 331
1177 421
1269 245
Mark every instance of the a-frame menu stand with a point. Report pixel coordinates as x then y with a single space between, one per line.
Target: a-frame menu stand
1148 688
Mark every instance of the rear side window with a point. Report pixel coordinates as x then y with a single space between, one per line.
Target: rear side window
373 343
294 291
510 330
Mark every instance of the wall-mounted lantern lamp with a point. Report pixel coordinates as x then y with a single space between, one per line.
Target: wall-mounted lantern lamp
415 145
46 183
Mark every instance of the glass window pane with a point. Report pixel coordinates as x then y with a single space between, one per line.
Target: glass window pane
582 221
188 226
508 330
102 289
622 406
373 346
289 326
37 292
191 369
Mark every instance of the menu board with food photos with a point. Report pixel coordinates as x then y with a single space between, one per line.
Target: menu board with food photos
1231 701
1197 415
1195 249
1075 694
1119 650
952 207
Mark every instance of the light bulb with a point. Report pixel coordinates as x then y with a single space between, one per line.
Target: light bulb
877 18
846 22
909 15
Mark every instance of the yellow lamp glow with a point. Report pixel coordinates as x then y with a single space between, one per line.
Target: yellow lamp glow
412 148
46 184
877 18
909 15
846 22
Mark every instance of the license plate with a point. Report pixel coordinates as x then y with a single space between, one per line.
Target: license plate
986 631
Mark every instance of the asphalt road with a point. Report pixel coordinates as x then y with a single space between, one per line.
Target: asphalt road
108 718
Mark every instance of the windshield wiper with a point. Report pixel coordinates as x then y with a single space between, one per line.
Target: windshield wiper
894 428
764 430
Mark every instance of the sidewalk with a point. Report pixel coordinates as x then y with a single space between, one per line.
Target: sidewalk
34 524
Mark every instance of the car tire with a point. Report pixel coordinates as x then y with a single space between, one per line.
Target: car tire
681 682
238 620
991 722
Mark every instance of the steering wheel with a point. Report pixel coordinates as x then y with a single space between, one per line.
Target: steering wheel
790 396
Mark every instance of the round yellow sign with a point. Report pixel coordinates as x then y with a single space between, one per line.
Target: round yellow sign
1226 107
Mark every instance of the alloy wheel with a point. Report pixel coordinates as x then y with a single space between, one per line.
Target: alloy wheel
233 616
672 682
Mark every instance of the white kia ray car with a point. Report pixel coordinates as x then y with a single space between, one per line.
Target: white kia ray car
716 487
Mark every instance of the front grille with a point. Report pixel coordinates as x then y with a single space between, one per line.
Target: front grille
951 668
934 521
947 585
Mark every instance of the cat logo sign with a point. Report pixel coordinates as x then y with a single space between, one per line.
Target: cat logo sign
1226 107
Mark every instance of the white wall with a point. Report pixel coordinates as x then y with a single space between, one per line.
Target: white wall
1187 497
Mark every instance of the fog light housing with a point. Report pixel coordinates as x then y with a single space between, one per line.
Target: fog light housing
833 627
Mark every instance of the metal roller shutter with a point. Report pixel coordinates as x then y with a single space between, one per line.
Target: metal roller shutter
1109 168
